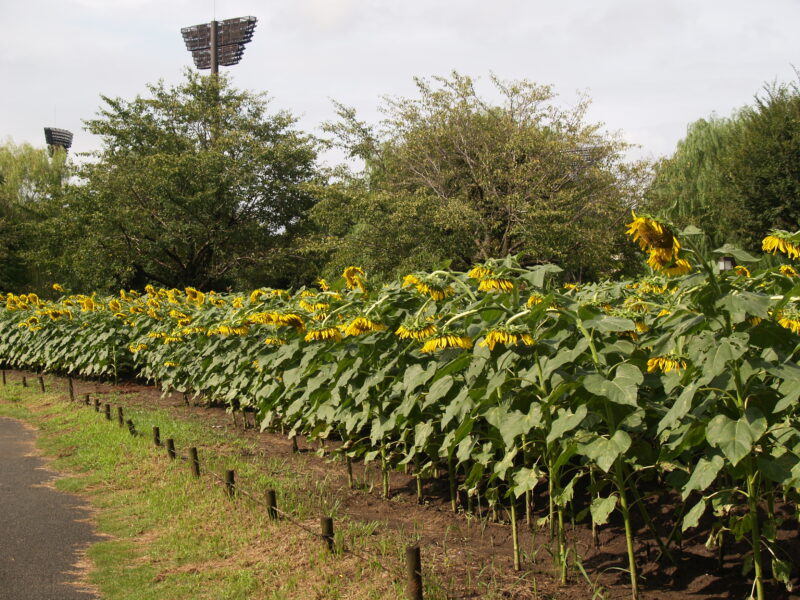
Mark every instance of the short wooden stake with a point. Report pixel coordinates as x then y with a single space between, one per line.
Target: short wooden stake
171 448
41 384
195 462
71 390
272 505
294 445
4 377
156 436
108 411
327 531
186 398
86 399
131 427
24 381
96 405
120 417
413 574
230 483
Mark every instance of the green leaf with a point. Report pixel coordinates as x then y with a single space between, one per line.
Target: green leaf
604 451
622 390
736 438
610 324
740 255
566 421
679 409
601 509
692 518
525 480
703 475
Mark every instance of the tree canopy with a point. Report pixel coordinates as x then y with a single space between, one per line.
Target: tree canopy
452 175
194 185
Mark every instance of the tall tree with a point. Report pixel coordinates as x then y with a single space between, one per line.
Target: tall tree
31 180
478 178
193 185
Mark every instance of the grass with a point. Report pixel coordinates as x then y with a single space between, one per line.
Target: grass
171 536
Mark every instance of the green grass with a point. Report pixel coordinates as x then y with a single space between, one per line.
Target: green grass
172 536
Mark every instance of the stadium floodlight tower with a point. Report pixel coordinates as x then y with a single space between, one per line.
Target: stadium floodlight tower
219 42
57 138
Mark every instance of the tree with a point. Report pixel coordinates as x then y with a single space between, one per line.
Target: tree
738 177
30 181
193 185
475 179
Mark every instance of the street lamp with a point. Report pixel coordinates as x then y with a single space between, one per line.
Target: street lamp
57 138
219 42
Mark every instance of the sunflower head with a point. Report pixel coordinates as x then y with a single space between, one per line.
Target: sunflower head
322 334
665 364
362 325
445 341
414 330
779 240
354 277
507 336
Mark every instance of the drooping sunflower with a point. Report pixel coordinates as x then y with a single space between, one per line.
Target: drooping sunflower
416 331
782 241
788 270
658 241
323 334
507 337
741 270
354 277
443 342
273 341
432 287
362 325
665 364
495 284
790 319
58 287
479 272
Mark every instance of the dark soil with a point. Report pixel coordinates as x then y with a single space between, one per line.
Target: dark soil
469 552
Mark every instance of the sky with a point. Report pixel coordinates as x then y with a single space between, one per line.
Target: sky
651 67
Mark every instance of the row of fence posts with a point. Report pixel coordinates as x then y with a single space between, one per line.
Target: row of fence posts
413 558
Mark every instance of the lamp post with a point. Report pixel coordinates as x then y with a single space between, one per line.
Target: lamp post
57 138
219 42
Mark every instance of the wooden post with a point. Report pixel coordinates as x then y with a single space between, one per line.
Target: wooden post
24 381
4 377
156 436
97 405
230 483
294 444
71 390
120 417
171 448
413 573
327 531
86 399
41 384
131 427
108 411
195 462
272 505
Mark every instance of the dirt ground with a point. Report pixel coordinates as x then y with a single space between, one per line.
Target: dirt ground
469 552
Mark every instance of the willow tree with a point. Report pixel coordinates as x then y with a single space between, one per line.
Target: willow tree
450 174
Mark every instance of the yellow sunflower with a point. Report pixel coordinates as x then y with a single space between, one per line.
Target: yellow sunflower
327 333
447 341
781 241
362 325
492 284
507 338
665 364
416 331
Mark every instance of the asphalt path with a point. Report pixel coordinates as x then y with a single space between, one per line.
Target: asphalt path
42 530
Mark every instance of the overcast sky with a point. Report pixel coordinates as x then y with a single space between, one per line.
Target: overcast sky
650 66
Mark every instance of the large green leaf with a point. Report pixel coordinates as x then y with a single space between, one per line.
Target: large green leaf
622 389
604 451
736 438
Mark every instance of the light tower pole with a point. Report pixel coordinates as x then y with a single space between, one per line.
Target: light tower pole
219 42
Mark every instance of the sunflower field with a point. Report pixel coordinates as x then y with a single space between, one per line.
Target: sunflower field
685 381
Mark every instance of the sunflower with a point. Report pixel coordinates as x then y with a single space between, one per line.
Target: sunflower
172 339
134 348
741 271
491 284
788 270
354 276
479 272
58 287
255 295
169 363
271 341
665 364
790 319
362 325
435 288
673 266
536 298
323 285
447 341
507 338
781 241
327 333
652 235
288 320
416 331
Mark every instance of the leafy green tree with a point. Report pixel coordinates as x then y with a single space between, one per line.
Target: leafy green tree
451 175
738 177
196 184
31 180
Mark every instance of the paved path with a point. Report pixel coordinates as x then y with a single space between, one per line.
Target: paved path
41 530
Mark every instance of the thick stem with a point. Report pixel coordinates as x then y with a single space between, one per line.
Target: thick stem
752 498
515 533
418 477
451 473
626 517
350 482
528 508
562 545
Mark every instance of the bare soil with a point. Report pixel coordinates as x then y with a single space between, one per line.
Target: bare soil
471 554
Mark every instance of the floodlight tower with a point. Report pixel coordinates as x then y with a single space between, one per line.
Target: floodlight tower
219 42
57 138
